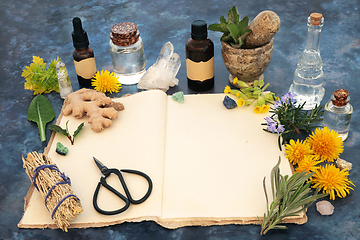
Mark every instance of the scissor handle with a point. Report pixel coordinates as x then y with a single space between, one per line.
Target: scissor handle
129 198
127 190
97 208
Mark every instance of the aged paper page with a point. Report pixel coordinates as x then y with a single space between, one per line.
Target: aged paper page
134 141
216 160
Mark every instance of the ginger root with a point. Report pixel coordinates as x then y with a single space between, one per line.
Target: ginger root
96 105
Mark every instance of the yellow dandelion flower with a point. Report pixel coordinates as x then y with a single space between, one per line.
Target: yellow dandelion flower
332 180
240 102
235 80
296 151
326 144
227 90
237 94
106 82
265 108
257 109
308 163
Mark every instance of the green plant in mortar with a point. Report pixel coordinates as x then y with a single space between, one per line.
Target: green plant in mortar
235 30
41 112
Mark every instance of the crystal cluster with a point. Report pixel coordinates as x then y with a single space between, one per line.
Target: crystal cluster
162 74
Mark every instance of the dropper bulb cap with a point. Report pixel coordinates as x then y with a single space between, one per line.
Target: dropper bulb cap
79 36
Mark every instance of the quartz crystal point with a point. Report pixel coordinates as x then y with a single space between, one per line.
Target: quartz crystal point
324 207
161 75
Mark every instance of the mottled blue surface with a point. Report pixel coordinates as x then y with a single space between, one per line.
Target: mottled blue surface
43 28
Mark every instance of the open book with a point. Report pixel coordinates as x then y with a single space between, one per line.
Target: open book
207 163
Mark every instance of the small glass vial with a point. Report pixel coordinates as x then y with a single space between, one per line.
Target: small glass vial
65 87
338 112
127 52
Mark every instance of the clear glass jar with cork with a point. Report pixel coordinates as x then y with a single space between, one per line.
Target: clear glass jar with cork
338 112
127 52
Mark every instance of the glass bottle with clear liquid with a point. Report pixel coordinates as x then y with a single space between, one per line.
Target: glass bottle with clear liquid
308 77
338 112
127 52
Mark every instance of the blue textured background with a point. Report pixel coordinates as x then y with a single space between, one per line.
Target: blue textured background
43 28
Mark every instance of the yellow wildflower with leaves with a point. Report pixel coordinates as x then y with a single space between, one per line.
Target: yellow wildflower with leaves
249 95
39 77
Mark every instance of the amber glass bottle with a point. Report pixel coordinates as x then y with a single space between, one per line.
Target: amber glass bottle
200 58
83 56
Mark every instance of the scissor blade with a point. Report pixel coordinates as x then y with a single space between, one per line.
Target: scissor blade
100 165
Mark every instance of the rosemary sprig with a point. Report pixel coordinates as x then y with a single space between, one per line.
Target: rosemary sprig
289 118
291 196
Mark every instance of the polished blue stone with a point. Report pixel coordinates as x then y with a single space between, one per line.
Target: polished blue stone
229 103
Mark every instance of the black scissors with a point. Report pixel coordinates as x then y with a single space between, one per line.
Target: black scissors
128 199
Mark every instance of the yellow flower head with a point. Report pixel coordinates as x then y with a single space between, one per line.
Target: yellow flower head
326 144
296 151
106 82
240 102
257 109
308 164
265 108
235 80
332 180
227 90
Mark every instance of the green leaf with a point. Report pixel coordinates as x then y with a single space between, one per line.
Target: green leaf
223 20
77 131
58 129
233 31
41 112
235 15
243 24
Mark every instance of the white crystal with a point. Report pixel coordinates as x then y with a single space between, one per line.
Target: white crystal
324 207
342 164
162 74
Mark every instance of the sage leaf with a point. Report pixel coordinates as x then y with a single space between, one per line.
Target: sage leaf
58 129
78 130
41 112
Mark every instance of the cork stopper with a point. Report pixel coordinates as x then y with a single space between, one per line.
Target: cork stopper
340 97
316 19
124 34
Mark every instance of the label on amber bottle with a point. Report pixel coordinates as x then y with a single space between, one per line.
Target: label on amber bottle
200 71
85 68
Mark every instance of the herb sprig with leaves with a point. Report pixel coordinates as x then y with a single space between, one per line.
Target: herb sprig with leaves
39 77
65 131
291 196
289 118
